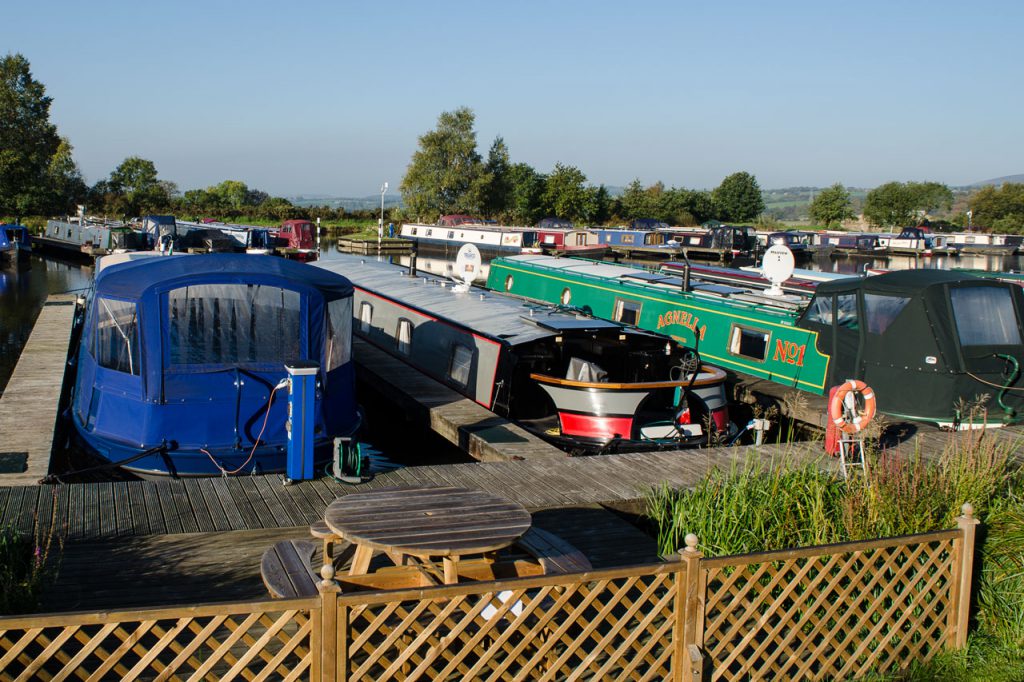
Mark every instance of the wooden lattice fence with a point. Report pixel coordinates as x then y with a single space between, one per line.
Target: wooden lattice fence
811 613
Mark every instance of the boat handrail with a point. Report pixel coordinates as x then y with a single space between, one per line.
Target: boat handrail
707 376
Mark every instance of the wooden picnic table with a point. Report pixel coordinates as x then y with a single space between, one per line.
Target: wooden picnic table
422 523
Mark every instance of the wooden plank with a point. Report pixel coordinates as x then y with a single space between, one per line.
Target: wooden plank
155 512
137 503
280 507
107 511
203 517
215 517
167 507
264 518
122 509
249 517
231 510
185 512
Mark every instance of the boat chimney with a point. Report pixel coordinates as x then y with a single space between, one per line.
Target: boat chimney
412 261
686 275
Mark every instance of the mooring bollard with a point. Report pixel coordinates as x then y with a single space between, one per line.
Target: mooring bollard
301 419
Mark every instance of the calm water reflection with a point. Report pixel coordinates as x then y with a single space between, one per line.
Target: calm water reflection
23 289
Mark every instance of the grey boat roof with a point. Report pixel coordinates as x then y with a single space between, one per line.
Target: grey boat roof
483 311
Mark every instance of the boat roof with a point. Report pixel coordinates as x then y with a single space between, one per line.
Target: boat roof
897 282
132 279
482 311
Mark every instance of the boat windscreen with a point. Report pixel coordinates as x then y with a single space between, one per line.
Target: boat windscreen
116 342
339 333
985 316
233 324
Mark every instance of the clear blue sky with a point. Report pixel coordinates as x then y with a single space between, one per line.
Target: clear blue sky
330 97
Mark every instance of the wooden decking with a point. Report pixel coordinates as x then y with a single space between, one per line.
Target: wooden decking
194 568
472 427
28 406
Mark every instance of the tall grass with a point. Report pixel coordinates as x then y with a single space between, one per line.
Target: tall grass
24 570
756 508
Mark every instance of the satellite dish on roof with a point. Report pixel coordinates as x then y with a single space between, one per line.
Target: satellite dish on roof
467 266
777 267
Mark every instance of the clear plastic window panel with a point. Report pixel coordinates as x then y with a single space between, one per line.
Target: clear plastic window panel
462 362
339 333
116 343
985 316
846 311
234 324
882 311
820 310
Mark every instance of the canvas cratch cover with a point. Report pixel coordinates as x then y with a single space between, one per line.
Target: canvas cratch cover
927 341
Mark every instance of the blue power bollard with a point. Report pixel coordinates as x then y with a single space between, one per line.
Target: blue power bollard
301 419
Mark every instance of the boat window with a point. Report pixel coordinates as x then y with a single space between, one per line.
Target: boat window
412 231
365 317
749 343
234 324
627 312
339 333
820 310
627 239
881 311
846 311
460 364
985 316
404 336
451 234
508 283
116 343
566 296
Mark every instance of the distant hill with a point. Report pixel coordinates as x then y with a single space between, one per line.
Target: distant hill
999 181
347 203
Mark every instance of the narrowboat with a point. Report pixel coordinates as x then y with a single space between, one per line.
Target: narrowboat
855 244
927 341
916 241
797 242
723 242
89 237
15 243
296 239
585 384
560 241
492 241
181 368
637 243
985 244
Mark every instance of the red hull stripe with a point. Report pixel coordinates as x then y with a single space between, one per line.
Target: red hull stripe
595 427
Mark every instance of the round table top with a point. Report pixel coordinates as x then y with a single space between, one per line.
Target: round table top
428 521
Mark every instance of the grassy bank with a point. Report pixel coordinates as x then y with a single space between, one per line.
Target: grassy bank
757 508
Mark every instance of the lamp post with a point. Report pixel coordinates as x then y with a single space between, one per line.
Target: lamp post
380 224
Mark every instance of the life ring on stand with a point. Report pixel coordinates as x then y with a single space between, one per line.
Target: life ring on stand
861 418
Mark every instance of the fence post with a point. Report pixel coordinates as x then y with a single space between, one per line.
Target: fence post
691 617
964 574
328 653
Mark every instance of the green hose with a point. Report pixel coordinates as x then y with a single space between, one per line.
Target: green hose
1008 411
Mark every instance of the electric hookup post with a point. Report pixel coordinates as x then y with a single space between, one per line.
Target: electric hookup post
301 419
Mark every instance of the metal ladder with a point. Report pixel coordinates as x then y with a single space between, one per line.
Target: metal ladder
851 445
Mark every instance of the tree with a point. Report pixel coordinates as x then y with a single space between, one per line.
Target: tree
738 198
1001 210
28 142
64 179
496 170
832 206
136 189
526 187
565 194
636 201
445 173
930 196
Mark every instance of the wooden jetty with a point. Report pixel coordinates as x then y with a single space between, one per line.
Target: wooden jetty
473 428
28 406
370 246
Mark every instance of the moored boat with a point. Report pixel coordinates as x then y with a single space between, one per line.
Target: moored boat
183 357
582 383
15 243
928 341
492 241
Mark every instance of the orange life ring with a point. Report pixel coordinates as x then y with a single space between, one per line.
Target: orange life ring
836 413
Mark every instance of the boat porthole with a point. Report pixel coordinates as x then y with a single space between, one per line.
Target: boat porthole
508 283
566 296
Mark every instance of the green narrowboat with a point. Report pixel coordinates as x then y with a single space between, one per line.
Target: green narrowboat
928 341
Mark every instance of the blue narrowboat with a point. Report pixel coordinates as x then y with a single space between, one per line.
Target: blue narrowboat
641 242
15 242
181 367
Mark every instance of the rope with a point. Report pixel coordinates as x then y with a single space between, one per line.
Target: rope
56 478
989 383
266 416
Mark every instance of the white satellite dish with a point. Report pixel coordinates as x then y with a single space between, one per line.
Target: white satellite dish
777 266
467 266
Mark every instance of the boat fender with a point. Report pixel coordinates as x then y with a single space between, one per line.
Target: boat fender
861 418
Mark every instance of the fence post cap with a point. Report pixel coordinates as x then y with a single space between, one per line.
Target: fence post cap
691 542
967 517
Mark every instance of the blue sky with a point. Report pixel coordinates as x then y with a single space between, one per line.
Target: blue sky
330 97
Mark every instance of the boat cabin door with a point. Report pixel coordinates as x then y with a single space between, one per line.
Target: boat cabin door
837 319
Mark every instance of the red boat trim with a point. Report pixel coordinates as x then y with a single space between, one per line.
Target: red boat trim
593 426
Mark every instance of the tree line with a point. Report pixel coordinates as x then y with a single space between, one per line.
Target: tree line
38 176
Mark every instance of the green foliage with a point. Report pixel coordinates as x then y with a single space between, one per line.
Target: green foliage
738 198
526 187
24 570
1001 210
897 204
566 195
498 191
446 174
675 206
37 172
832 206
